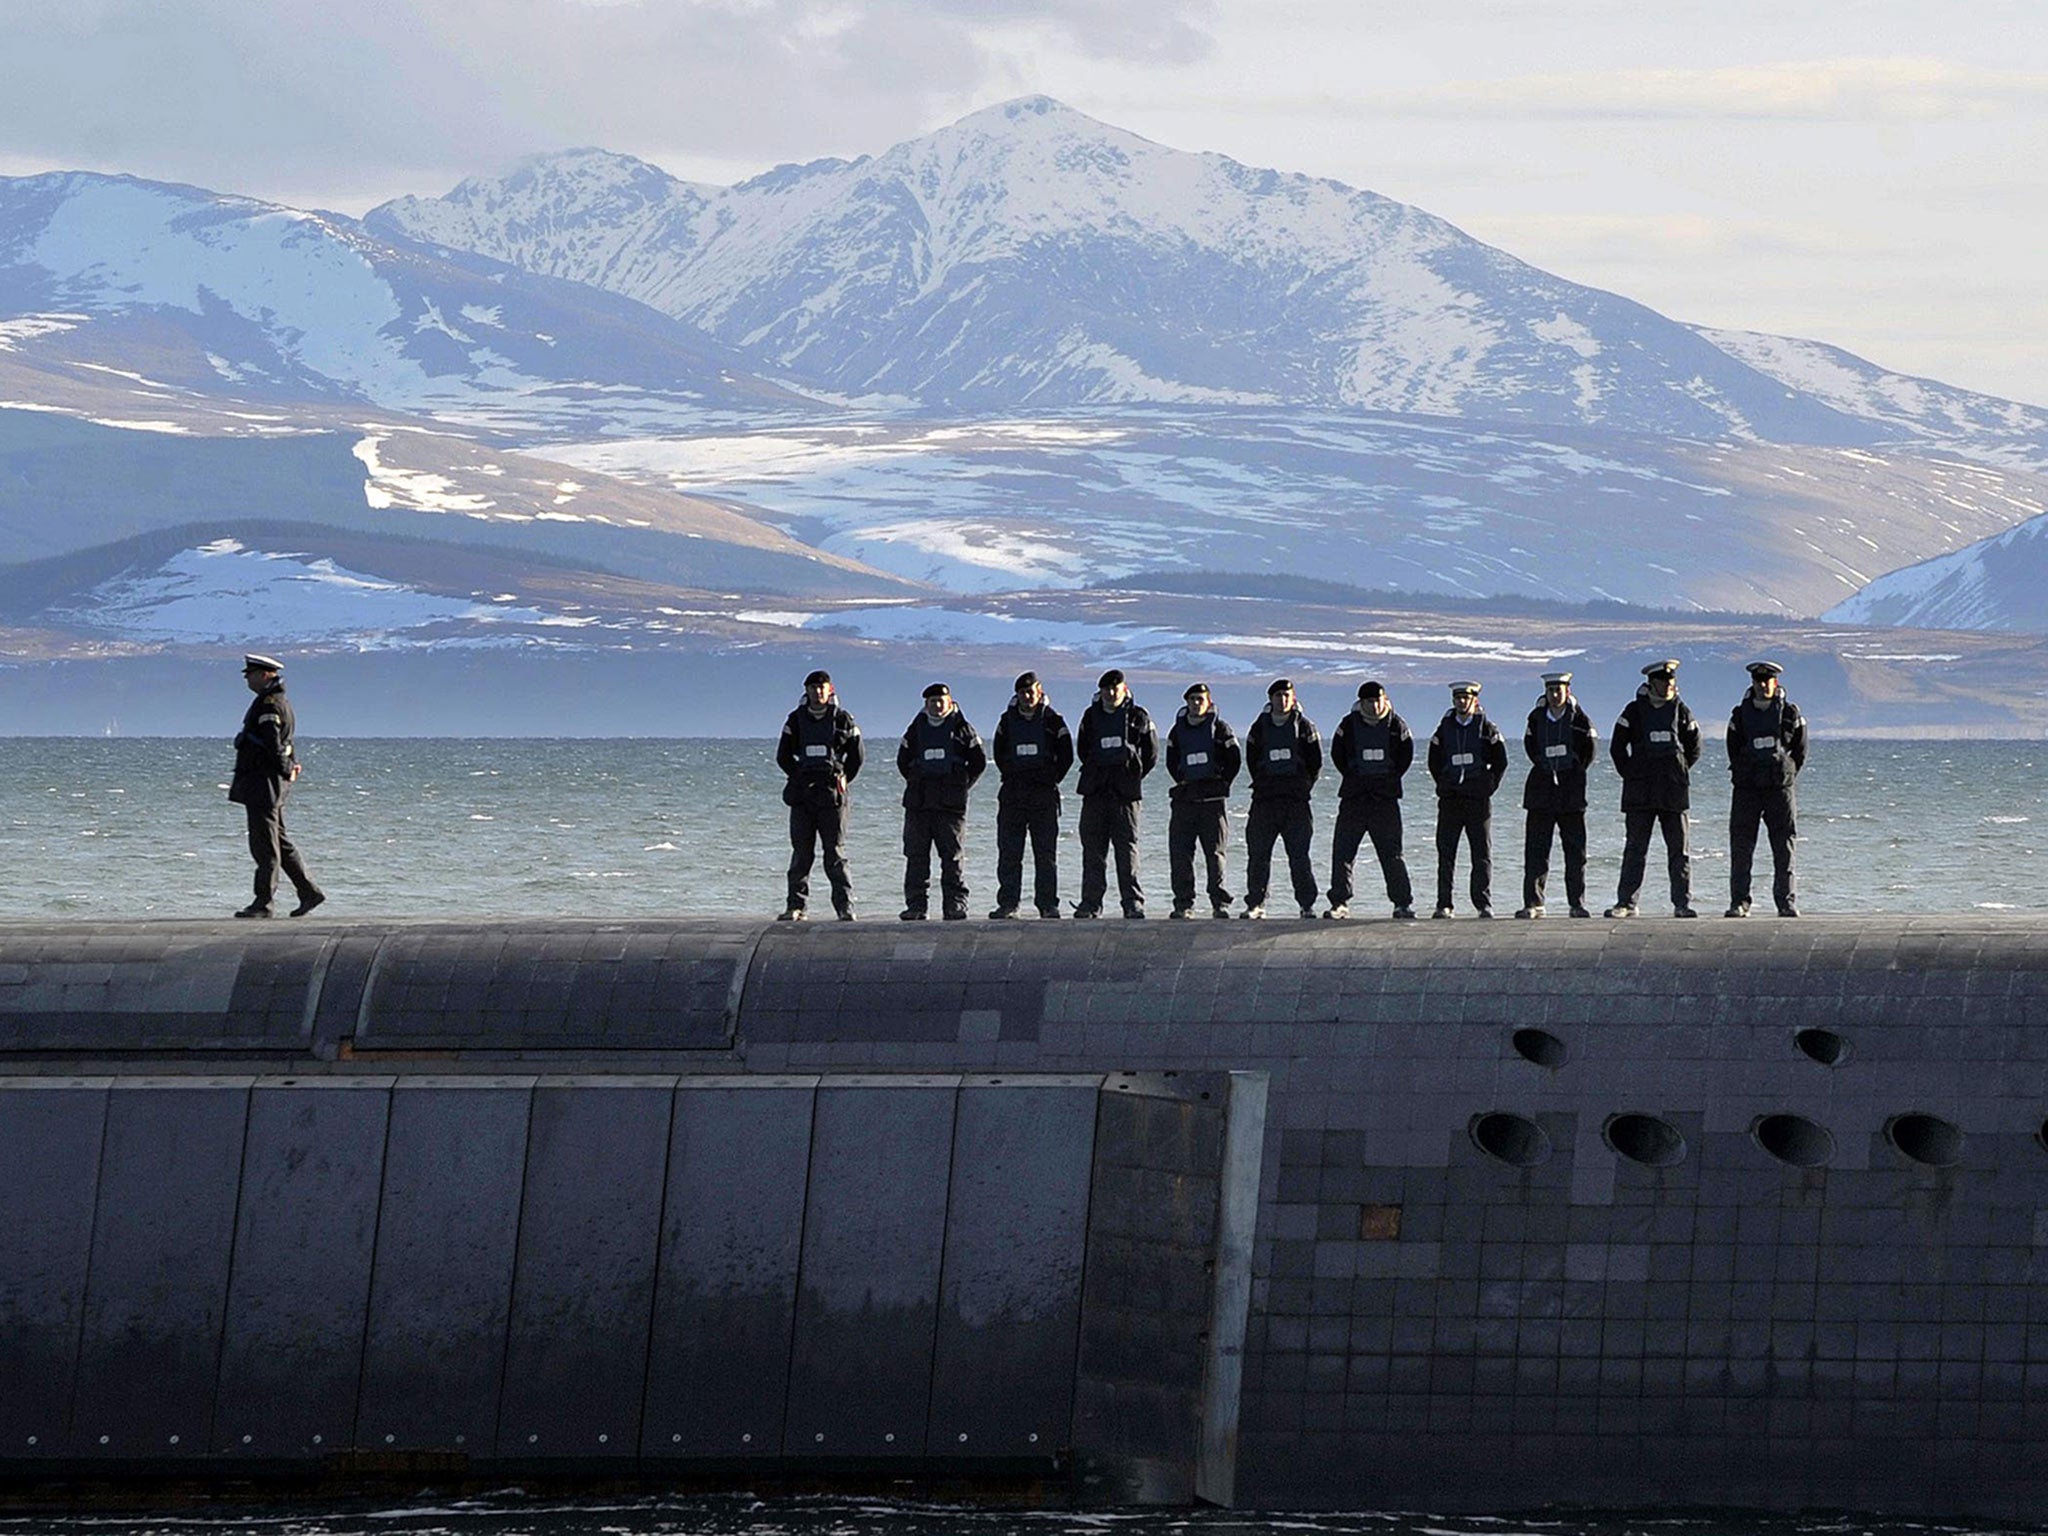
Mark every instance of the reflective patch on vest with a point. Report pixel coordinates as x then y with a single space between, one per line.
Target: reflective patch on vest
1374 755
1556 751
1461 759
1111 743
816 751
1660 735
1763 743
1280 755
1025 749
935 754
1196 759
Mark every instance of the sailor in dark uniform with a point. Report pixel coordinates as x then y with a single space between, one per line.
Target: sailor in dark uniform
266 767
1033 751
1559 741
1202 758
1766 751
1656 742
820 753
1371 749
1117 746
939 757
1285 754
1468 759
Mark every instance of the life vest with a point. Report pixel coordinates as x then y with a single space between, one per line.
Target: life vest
1109 737
1554 743
1375 739
1761 737
1282 739
1197 747
1464 747
938 749
817 742
1660 728
1028 744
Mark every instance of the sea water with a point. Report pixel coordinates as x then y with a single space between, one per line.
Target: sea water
116 829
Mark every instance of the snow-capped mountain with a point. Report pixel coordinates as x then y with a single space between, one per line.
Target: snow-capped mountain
1998 584
246 297
1911 410
1029 256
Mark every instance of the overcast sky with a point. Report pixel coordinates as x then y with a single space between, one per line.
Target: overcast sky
1866 172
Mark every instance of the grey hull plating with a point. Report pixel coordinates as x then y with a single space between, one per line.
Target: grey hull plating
1434 1215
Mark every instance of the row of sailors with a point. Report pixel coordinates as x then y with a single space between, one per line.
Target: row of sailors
1655 745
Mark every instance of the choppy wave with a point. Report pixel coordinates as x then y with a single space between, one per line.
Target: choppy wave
697 828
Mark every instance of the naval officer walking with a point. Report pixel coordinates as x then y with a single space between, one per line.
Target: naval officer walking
266 767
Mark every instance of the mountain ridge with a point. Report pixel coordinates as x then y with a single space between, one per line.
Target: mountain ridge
911 399
290 304
1176 278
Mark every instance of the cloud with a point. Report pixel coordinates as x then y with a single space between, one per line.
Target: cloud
254 94
1656 237
1856 89
1900 90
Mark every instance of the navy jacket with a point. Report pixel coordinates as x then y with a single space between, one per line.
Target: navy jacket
1654 749
1766 742
819 756
1116 749
1559 752
1366 777
264 751
1467 761
939 783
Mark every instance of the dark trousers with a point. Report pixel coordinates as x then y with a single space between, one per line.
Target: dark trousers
1290 823
924 831
1473 821
1779 813
1191 824
1358 819
1041 823
1635 854
1109 822
1570 830
272 850
812 827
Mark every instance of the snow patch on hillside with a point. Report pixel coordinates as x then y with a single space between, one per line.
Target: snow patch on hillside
226 592
30 327
117 244
415 490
